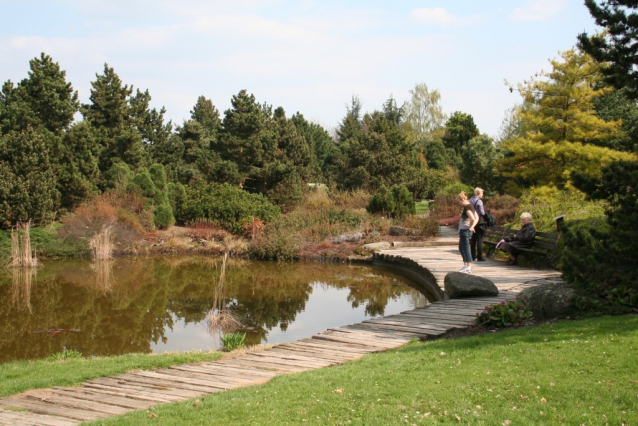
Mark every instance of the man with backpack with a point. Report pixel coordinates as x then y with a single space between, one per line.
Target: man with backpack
476 240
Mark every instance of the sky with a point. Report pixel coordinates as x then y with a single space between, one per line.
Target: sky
306 56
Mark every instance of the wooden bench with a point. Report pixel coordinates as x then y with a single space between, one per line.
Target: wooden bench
544 245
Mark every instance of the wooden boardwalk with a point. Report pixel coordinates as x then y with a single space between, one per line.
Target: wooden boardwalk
104 397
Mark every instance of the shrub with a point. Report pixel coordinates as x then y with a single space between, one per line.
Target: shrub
504 314
420 226
587 260
163 216
427 183
546 203
275 243
357 199
123 212
228 205
396 202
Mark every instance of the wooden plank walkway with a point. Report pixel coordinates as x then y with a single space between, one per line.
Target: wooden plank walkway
104 397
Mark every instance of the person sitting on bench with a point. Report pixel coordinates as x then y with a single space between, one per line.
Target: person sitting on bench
524 238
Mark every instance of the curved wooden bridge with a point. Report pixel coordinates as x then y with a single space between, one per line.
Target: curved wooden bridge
104 397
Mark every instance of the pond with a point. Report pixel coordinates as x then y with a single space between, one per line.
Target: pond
160 304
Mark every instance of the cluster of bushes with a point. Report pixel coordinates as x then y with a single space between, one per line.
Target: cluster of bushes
598 254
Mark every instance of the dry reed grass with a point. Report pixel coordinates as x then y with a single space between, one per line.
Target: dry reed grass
220 318
22 279
103 278
22 256
355 200
101 244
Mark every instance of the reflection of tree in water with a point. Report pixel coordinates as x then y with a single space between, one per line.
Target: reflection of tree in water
131 304
375 291
77 316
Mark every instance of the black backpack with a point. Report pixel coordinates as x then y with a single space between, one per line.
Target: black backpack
490 219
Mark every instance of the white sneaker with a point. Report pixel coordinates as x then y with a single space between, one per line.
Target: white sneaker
463 269
468 270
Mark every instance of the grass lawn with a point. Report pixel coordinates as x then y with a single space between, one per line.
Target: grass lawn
422 207
570 372
18 376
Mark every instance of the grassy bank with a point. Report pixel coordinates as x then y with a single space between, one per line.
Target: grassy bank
18 376
572 372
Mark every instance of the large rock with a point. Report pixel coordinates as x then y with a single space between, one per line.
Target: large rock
551 300
458 285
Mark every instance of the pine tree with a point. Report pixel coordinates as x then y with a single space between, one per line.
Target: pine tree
561 126
616 47
27 179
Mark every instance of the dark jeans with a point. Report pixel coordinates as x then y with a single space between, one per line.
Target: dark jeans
464 245
476 243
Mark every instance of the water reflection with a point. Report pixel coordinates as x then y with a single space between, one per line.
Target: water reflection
157 304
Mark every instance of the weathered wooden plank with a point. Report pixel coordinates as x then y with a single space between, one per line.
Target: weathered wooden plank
420 334
298 358
207 373
210 382
264 365
427 325
346 339
26 418
141 378
131 391
97 395
157 389
344 347
232 381
377 339
412 328
428 319
330 355
40 407
47 396
272 359
252 371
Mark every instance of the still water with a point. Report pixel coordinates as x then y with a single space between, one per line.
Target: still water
159 304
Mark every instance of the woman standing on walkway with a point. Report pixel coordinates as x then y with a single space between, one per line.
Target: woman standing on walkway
469 219
476 239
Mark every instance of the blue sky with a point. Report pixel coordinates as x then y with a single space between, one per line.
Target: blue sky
306 56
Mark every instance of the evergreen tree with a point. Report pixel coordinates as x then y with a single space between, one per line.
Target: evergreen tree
616 47
459 129
27 179
123 123
78 171
109 107
379 155
321 145
351 125
207 115
43 99
562 126
478 156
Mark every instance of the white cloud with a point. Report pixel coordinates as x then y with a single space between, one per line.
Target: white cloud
443 18
537 10
251 26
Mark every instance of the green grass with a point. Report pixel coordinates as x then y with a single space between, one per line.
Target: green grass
18 376
422 207
572 372
46 242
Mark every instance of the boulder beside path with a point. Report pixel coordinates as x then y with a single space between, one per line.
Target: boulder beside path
551 300
458 285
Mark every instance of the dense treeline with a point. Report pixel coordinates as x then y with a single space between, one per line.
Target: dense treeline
52 161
